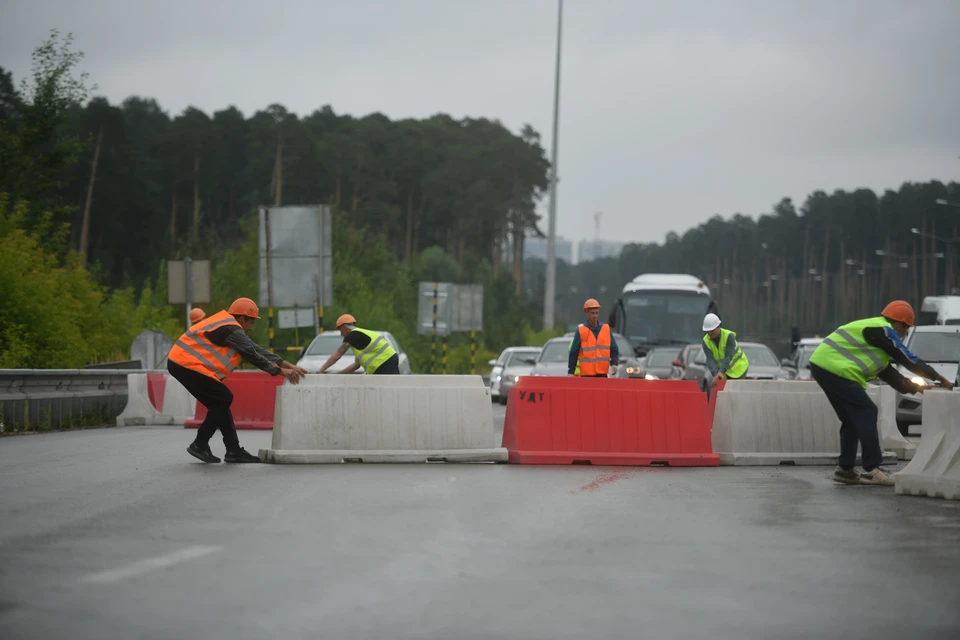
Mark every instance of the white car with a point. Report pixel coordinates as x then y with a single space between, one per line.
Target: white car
938 346
325 344
512 363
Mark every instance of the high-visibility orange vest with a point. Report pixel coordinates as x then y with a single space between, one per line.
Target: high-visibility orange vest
194 350
594 351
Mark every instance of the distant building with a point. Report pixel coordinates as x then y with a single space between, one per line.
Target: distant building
537 248
588 250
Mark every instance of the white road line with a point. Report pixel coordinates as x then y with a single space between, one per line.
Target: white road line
150 564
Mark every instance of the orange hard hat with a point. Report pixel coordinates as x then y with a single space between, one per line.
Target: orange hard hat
196 315
345 319
899 311
591 304
244 307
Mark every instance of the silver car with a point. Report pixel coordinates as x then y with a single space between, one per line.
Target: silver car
325 344
938 346
764 364
552 360
513 363
797 366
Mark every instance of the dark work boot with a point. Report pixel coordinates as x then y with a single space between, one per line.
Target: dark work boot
202 452
240 455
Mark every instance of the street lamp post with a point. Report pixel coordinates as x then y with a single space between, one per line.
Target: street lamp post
551 284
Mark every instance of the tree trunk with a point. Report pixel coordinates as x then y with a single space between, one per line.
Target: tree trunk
408 243
85 227
173 214
278 170
196 192
339 177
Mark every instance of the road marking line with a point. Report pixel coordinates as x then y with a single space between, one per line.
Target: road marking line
150 564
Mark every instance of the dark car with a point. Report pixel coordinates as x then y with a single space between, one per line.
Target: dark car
658 364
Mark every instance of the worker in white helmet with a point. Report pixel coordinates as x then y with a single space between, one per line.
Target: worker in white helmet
725 359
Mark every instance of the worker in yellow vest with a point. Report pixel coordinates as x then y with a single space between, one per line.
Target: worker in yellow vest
725 358
371 350
845 362
593 351
205 355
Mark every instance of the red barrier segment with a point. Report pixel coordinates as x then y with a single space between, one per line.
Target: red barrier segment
567 420
156 387
254 400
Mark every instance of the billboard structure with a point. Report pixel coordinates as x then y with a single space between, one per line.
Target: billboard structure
444 308
296 260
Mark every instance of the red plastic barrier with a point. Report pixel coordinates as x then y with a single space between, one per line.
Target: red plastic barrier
156 387
254 399
565 420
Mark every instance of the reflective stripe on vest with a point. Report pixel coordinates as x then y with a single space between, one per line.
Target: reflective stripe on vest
196 352
374 354
738 363
846 354
594 357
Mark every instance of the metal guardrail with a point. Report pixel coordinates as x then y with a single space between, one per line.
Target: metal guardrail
37 399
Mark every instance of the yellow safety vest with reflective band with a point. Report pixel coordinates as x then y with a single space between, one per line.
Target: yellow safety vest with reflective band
375 353
738 363
194 350
846 354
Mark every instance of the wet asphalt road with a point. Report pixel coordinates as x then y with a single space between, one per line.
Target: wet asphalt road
118 533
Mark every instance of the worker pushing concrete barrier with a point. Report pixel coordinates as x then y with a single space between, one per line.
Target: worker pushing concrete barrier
935 469
334 419
774 422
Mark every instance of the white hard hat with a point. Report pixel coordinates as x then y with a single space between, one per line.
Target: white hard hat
710 322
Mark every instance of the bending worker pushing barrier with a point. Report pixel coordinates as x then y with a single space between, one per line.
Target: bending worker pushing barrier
205 355
371 350
842 365
725 358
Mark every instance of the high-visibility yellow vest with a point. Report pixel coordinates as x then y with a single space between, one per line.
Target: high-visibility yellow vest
846 354
374 354
738 363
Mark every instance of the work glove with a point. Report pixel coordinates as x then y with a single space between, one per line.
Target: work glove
613 370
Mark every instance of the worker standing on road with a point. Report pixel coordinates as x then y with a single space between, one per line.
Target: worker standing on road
593 352
843 364
196 315
371 350
205 355
725 358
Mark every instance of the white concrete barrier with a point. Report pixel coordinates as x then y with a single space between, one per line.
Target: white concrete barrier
777 422
935 469
885 397
177 405
334 418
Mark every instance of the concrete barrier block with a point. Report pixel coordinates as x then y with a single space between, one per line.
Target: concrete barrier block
339 418
176 403
885 397
773 426
935 469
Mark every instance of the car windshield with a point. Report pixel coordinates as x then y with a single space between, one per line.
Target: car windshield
760 356
661 357
555 351
664 317
324 345
516 358
935 346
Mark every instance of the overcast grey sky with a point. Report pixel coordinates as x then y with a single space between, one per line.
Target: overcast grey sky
670 112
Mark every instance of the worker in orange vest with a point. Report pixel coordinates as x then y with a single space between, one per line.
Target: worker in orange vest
196 315
593 350
205 355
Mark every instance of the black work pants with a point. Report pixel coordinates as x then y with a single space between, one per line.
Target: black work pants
390 367
858 419
217 398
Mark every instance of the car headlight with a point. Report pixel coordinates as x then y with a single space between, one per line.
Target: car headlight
498 378
516 378
650 376
919 380
632 370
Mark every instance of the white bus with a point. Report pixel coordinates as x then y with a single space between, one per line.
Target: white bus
662 309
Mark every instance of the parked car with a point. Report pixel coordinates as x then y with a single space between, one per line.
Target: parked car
797 366
660 363
764 364
325 344
938 346
513 363
683 364
552 360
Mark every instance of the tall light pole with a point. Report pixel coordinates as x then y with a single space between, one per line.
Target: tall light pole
551 285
